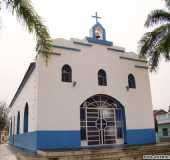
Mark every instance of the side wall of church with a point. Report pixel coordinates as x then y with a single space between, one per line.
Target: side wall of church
59 102
27 95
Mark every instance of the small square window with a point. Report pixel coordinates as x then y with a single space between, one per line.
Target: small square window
165 131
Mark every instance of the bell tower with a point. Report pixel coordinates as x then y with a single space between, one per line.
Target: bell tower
98 33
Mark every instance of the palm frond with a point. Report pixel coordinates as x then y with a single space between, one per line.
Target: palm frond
154 60
149 39
164 46
157 17
152 44
144 44
167 3
27 15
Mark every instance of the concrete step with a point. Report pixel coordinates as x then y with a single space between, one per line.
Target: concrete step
124 153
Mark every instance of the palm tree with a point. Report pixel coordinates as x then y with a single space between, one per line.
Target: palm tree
156 44
25 12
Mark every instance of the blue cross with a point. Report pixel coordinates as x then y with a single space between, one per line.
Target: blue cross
96 16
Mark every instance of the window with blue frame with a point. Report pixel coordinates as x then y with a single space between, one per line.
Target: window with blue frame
102 78
11 128
18 123
26 116
66 73
131 81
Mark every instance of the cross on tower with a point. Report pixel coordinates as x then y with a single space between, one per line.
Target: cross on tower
96 16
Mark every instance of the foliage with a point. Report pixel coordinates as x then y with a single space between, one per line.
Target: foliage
156 44
26 14
3 115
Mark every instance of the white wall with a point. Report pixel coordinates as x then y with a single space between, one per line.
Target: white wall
29 95
59 102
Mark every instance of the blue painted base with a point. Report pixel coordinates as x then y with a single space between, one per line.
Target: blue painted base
26 141
43 140
58 139
49 140
10 140
141 136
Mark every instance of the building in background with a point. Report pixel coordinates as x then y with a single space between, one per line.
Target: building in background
156 113
163 124
91 93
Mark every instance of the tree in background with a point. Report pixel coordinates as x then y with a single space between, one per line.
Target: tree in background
3 116
156 44
26 14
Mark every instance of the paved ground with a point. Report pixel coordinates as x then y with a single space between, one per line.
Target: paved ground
6 153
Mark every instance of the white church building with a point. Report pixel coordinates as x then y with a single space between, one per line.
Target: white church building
91 93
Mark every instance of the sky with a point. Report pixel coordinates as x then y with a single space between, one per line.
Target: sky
123 21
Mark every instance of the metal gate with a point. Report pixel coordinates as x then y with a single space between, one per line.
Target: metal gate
101 127
99 124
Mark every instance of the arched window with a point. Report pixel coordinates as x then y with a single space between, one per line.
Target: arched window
18 123
131 81
102 79
11 130
26 116
14 127
66 73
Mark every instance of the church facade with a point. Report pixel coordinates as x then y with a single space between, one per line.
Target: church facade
91 93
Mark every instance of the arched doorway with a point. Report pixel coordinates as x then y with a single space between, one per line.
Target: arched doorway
102 121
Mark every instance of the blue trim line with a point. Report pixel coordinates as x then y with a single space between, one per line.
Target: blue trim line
141 136
103 42
67 48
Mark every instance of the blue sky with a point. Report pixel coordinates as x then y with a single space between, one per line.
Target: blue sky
123 21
